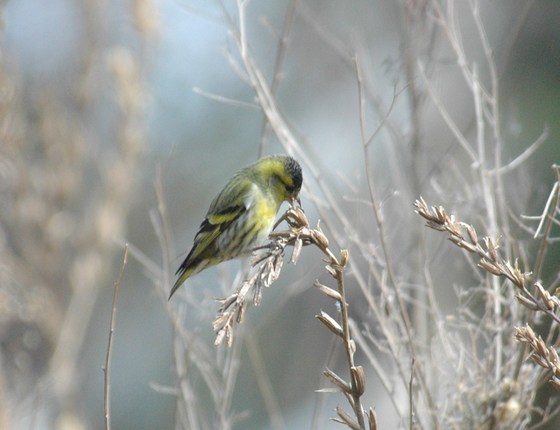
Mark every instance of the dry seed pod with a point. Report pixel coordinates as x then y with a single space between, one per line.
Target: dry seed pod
468 246
359 379
372 418
330 322
343 257
337 380
321 239
440 213
552 358
456 240
298 245
492 248
331 270
490 267
472 234
347 419
541 348
526 302
333 294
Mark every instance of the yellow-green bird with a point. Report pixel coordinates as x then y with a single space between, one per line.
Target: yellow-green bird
242 215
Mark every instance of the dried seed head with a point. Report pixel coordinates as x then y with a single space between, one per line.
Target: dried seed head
372 418
441 215
337 380
330 322
219 337
554 359
454 228
225 333
527 302
278 263
540 347
490 267
257 295
333 294
296 217
544 295
343 257
320 239
241 312
298 245
466 245
456 240
331 270
220 321
472 234
492 248
245 287
347 419
524 333
358 379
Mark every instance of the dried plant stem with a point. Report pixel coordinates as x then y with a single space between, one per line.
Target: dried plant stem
267 269
107 367
548 222
540 300
357 374
278 65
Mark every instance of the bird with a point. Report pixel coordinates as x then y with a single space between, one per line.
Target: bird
242 215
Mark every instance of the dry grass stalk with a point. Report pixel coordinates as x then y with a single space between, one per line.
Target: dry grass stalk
107 367
540 300
464 236
543 355
268 265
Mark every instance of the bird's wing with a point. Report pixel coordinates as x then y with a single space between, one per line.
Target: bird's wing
212 226
225 209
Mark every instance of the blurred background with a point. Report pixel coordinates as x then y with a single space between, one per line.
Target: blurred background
104 105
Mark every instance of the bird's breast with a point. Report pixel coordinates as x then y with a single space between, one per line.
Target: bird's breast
264 213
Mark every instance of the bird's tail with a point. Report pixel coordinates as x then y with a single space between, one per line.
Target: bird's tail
187 269
182 278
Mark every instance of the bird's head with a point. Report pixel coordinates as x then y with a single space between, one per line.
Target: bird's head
283 175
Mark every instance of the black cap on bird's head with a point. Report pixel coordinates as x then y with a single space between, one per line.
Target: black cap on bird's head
294 171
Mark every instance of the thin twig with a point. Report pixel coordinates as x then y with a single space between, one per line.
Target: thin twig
548 221
107 367
278 65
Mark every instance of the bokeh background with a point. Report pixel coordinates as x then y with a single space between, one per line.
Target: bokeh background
105 104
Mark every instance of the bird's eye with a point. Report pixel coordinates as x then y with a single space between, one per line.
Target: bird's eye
291 189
